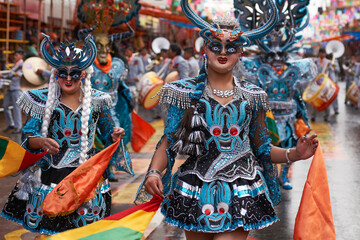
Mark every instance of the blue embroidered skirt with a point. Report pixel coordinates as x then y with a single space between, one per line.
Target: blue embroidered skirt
219 206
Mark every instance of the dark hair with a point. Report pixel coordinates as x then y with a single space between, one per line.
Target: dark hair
189 50
19 51
175 48
130 48
164 50
322 50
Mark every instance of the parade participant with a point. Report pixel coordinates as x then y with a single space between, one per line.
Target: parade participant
281 77
62 120
349 69
357 75
177 63
145 57
193 64
136 69
13 93
110 68
324 65
227 186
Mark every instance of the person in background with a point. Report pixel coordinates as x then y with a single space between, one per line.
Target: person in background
193 63
13 93
325 66
136 70
178 63
145 57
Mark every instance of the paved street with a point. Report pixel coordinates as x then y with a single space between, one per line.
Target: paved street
339 139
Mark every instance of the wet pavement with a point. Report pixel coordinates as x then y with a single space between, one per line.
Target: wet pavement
339 139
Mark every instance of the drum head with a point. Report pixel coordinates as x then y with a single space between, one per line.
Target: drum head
151 100
173 76
30 66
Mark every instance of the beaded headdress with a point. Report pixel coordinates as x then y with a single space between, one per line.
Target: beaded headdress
100 16
242 39
68 55
293 18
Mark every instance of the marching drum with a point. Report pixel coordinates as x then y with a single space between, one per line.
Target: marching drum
30 66
321 92
149 85
173 76
353 93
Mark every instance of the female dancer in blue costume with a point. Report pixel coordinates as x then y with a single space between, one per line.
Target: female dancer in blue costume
62 120
281 77
227 186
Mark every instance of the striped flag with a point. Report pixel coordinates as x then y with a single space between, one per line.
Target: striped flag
272 128
129 224
14 158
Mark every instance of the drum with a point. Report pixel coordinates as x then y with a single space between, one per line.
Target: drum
353 93
173 76
321 92
149 86
30 66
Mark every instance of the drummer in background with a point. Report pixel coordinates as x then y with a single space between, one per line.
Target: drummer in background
193 63
357 75
145 57
178 63
322 62
136 70
164 61
13 93
349 69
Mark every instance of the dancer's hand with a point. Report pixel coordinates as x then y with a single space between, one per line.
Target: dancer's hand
47 144
306 146
153 186
117 133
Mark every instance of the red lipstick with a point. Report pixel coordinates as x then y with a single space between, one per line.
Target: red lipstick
222 60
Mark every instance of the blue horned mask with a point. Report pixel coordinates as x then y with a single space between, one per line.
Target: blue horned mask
68 55
236 35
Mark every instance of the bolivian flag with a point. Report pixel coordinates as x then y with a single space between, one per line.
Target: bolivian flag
272 128
14 158
129 224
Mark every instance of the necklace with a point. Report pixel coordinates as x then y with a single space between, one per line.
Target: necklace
221 93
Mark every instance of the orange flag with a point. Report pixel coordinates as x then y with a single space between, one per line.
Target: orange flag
314 219
78 186
141 132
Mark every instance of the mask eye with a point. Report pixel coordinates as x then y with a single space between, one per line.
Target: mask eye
75 75
231 48
82 211
222 208
275 90
216 47
62 74
29 208
215 130
96 210
207 209
282 91
234 130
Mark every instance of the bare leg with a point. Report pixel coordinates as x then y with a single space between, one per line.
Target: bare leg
238 234
191 235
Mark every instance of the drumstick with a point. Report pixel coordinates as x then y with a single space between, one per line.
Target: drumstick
10 70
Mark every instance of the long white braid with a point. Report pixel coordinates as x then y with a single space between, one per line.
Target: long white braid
86 107
53 94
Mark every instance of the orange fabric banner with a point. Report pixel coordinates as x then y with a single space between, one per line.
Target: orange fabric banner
78 186
314 218
141 132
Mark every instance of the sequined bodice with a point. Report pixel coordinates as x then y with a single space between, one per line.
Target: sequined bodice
227 140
